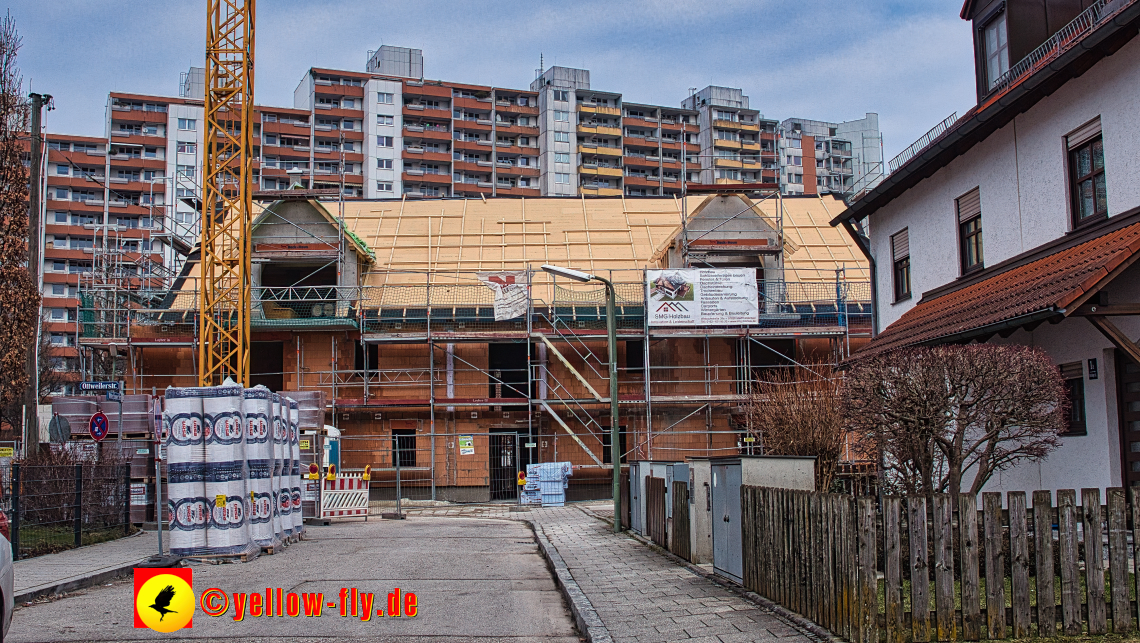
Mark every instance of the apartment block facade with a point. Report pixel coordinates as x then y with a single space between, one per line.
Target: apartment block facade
737 144
820 157
595 144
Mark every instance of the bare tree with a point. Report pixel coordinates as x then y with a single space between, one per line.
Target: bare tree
20 296
938 415
51 378
794 412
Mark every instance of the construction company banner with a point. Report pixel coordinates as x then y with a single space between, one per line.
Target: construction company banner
702 297
510 292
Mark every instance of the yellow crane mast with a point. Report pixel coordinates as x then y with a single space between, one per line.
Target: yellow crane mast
227 191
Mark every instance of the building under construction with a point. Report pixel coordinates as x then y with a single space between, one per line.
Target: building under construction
441 348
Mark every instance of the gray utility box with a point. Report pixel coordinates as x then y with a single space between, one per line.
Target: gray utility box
714 516
638 472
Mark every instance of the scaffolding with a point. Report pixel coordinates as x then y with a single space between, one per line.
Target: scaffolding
415 366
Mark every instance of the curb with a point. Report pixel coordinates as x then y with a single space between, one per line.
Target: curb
807 627
585 616
75 583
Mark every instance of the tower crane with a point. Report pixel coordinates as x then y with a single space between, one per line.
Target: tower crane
227 191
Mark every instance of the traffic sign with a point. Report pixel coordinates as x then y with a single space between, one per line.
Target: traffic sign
114 396
99 386
99 426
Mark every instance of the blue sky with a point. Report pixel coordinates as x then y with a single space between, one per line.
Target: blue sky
908 60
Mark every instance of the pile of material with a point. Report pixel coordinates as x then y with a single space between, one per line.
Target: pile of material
234 470
546 484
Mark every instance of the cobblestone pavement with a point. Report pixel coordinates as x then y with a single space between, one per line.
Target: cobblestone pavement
639 594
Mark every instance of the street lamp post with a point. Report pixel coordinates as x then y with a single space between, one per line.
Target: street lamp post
611 333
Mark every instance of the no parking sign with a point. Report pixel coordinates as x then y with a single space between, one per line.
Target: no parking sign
99 427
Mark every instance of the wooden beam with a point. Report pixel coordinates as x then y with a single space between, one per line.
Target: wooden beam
1105 310
1116 336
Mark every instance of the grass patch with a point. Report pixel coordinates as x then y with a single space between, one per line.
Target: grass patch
38 540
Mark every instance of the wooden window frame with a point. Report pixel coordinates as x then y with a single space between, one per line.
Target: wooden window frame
1075 181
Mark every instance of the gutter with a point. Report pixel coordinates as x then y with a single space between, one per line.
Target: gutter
864 244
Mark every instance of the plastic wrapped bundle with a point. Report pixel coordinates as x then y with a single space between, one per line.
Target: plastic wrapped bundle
185 435
286 493
186 457
222 416
189 514
278 426
295 470
257 410
228 529
260 485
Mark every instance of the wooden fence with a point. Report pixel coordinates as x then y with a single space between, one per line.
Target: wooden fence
655 517
679 534
910 570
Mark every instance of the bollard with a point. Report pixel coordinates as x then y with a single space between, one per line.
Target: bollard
15 512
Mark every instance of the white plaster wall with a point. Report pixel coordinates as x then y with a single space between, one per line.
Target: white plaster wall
1021 173
1094 459
185 214
372 152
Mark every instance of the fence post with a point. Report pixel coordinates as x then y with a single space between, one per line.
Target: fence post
1094 563
15 512
78 505
867 578
126 499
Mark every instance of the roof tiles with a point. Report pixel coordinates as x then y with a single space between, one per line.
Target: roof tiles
1050 283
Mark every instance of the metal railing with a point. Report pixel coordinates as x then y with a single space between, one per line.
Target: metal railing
1060 42
61 506
922 143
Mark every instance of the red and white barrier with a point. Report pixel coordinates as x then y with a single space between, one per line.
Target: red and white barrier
344 497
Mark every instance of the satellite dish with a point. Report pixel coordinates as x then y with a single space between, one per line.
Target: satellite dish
59 429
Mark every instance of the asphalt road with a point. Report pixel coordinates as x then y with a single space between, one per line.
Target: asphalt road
474 580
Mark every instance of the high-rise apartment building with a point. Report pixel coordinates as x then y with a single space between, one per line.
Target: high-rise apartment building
595 144
130 197
737 144
820 157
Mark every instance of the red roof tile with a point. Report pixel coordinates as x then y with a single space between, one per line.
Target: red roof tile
1050 283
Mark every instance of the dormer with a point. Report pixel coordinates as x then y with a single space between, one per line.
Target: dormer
1006 31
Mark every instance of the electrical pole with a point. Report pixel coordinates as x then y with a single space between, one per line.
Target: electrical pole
35 264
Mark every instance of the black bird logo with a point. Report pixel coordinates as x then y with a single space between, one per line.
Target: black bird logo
162 602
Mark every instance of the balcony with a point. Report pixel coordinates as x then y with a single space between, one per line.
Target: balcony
732 145
589 190
600 170
595 148
727 163
594 108
305 307
601 130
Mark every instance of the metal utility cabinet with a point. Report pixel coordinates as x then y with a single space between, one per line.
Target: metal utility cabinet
716 533
638 472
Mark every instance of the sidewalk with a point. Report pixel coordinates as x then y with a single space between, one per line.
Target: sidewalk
83 567
640 595
623 591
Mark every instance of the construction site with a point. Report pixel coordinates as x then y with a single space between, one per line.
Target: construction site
433 342
389 312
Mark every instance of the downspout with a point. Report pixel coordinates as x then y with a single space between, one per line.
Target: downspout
864 244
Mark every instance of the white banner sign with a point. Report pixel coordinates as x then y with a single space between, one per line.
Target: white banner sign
510 293
703 297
